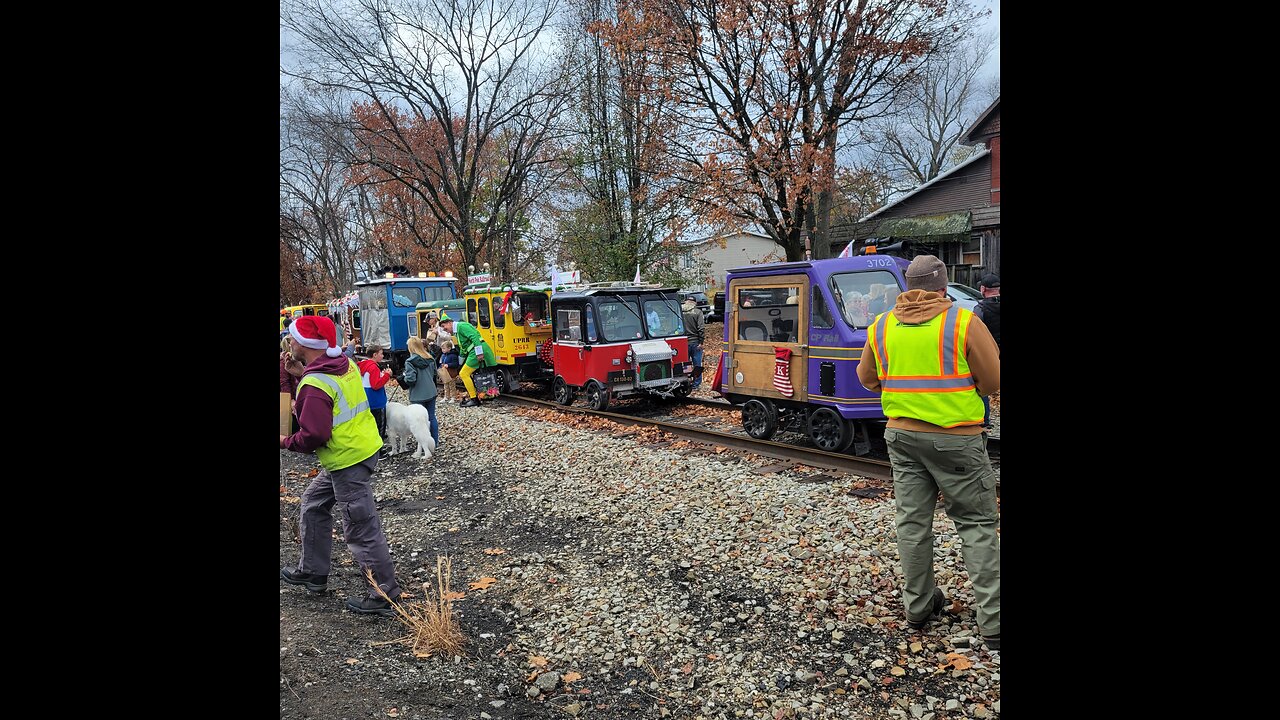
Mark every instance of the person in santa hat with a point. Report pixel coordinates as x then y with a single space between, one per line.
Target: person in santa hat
335 424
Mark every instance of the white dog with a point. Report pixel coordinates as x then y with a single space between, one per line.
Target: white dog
405 420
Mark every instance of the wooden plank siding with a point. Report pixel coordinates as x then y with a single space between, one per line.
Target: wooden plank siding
968 189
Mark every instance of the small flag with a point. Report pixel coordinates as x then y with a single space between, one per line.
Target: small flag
848 249
637 280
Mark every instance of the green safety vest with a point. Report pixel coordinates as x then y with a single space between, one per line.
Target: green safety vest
355 432
923 371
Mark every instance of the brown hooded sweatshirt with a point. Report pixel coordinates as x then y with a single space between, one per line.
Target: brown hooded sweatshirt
918 306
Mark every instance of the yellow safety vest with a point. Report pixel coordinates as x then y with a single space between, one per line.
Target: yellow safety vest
923 371
355 432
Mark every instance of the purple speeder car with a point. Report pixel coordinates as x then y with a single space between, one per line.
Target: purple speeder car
793 335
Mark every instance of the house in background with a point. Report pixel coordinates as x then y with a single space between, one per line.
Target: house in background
718 253
955 216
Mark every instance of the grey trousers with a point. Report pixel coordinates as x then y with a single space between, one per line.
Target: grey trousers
923 464
361 526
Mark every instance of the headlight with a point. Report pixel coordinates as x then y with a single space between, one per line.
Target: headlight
630 356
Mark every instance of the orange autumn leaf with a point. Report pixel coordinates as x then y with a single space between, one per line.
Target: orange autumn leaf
537 661
493 551
532 675
314 472
571 676
352 661
455 595
483 583
957 661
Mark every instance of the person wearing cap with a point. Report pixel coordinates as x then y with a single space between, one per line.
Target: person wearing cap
926 358
335 423
989 307
695 327
474 349
988 310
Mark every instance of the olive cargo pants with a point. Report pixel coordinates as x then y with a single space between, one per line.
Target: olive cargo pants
923 464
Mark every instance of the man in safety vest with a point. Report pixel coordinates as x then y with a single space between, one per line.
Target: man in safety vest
930 361
333 414
473 351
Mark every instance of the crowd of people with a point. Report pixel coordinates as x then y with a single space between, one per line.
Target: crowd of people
946 364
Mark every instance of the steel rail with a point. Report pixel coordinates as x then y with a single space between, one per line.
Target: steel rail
807 456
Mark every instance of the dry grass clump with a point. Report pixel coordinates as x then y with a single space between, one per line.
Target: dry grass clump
434 629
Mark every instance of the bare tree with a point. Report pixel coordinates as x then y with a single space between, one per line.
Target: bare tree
454 105
919 140
618 205
317 205
769 84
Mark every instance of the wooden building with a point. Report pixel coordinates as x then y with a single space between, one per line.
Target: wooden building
955 216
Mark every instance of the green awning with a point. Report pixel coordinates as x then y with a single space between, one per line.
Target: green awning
953 224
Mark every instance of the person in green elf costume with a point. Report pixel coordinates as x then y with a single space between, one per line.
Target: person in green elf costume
471 346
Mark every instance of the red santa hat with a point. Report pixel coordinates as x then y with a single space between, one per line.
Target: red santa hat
316 332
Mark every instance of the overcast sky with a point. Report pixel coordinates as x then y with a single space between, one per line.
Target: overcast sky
992 68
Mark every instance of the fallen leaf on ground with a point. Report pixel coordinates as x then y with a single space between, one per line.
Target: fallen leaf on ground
352 661
439 497
571 676
314 472
493 551
537 661
957 661
482 584
454 595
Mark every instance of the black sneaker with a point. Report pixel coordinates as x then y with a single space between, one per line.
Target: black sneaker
992 641
470 402
313 583
935 609
370 606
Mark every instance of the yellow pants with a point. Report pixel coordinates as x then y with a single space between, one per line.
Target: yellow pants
466 380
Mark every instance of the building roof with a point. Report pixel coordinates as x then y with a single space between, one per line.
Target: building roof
972 159
699 241
977 132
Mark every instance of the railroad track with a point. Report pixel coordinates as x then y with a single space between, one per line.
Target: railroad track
866 467
787 453
993 441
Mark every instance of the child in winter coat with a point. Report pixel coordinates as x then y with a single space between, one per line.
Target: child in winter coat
448 359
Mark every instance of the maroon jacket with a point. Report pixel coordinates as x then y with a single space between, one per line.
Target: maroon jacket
314 407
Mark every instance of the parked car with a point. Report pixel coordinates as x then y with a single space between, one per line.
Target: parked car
717 308
701 298
964 296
